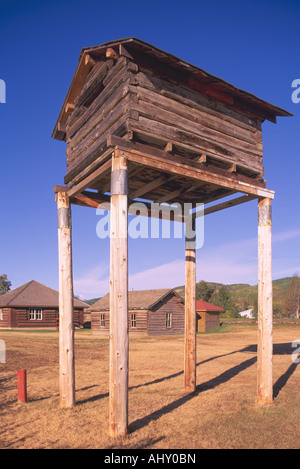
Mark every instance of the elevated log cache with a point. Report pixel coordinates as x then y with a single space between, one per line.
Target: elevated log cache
132 90
181 135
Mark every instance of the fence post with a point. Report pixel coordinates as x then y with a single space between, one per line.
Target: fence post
22 385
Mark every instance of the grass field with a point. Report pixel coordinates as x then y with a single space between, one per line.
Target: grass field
222 413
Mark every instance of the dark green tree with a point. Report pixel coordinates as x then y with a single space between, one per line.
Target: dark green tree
292 297
222 298
4 284
204 291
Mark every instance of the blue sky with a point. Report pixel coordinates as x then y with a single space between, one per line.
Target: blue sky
253 45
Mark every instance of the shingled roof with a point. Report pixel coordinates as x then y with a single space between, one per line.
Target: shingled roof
142 299
34 294
204 306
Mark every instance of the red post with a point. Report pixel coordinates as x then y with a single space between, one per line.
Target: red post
22 385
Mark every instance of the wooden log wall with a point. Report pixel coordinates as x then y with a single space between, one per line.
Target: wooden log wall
125 99
141 322
19 318
157 317
151 322
207 321
101 109
6 321
194 123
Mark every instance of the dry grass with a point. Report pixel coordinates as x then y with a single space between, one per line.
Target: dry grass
222 413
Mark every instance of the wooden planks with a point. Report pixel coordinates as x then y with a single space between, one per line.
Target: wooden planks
91 179
207 321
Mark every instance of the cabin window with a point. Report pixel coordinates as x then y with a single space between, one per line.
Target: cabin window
168 320
102 321
133 320
1 314
35 314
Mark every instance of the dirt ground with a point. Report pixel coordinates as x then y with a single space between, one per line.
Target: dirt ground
222 413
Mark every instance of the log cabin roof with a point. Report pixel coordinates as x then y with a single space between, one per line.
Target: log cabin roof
34 294
137 300
204 306
175 69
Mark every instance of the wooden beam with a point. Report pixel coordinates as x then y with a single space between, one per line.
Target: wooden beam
66 303
190 317
119 340
146 188
169 147
265 305
69 108
192 173
123 51
174 164
202 159
89 199
57 188
84 170
92 199
88 60
209 160
229 203
170 196
99 173
111 54
187 171
232 168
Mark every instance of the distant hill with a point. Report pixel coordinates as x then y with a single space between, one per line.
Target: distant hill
92 301
245 295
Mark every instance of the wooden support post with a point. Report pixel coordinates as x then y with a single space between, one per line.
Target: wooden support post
119 341
190 314
66 307
265 306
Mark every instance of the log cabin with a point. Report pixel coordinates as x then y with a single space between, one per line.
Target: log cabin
150 312
208 316
34 305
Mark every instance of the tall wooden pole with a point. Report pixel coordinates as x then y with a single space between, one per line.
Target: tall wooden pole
66 307
119 342
190 314
265 305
